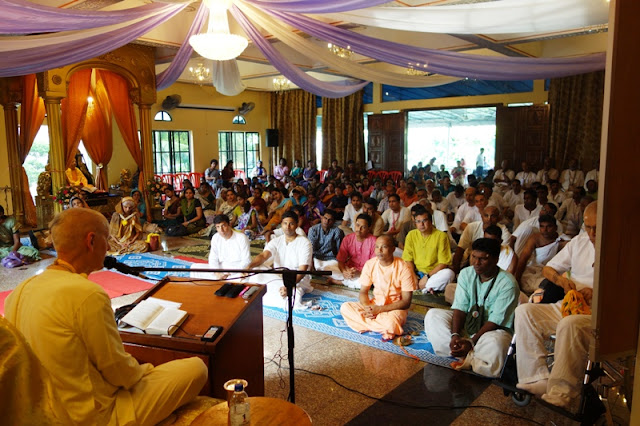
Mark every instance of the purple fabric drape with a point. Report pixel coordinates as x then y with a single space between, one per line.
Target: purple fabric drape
293 73
29 61
167 77
315 6
25 17
443 62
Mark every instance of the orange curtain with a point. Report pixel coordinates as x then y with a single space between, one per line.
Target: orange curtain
117 89
74 112
97 135
343 130
31 118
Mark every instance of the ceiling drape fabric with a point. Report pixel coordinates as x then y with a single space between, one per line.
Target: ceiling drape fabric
494 17
31 117
316 6
343 130
24 55
97 135
74 113
117 89
289 70
226 78
293 113
167 77
447 63
25 17
576 119
320 53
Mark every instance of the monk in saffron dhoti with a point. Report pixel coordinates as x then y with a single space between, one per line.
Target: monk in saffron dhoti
394 283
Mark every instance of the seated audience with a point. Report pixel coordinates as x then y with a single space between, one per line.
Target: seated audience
212 174
377 193
279 205
78 202
475 215
570 214
528 227
393 283
291 251
351 212
229 250
572 178
556 194
383 205
334 172
474 231
77 340
502 177
325 241
125 229
409 196
547 173
296 171
281 171
355 249
171 213
453 201
370 207
339 201
530 208
543 246
193 217
248 222
427 251
526 176
463 210
395 215
514 196
487 294
313 209
536 321
10 239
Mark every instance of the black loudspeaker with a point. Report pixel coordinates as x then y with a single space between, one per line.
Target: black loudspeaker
272 138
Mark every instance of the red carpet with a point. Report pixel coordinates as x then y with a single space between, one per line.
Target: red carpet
116 284
3 295
190 259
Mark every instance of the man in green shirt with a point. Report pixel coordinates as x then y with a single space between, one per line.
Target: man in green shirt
478 327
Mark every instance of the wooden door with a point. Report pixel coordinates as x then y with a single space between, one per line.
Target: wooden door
522 134
387 141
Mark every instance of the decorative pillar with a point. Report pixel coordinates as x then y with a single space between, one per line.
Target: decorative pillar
11 129
146 146
56 147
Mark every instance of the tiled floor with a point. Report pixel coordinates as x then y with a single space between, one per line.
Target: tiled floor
373 372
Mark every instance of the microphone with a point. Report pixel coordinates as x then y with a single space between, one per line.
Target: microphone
111 262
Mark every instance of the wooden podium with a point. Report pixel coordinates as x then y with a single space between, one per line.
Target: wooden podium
237 353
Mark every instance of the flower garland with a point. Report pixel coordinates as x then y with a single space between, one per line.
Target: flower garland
154 186
65 193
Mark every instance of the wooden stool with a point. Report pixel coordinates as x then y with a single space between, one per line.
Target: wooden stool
264 411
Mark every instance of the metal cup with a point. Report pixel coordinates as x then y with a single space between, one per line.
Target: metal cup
230 387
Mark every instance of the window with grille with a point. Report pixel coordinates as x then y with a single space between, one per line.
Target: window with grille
171 151
243 148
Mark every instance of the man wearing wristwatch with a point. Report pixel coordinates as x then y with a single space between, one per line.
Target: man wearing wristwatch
488 294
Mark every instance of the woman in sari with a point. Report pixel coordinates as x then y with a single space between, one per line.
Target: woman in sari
140 205
296 172
192 212
125 229
77 202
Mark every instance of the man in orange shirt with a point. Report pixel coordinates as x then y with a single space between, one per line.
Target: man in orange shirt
394 283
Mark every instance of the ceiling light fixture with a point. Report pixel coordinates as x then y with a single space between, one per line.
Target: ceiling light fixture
281 83
200 73
414 69
340 51
218 43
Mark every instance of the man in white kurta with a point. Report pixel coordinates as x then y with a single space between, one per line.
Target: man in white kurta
483 284
290 251
527 210
547 173
526 176
229 250
77 340
535 322
351 212
464 209
572 178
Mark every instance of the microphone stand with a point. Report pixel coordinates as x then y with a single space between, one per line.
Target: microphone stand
289 280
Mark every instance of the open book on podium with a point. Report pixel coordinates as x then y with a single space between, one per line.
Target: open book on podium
155 316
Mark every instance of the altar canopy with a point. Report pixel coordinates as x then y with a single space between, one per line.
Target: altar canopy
71 36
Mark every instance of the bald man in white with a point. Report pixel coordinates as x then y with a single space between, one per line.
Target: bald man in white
77 341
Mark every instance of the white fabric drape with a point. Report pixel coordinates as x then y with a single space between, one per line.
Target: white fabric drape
226 78
345 66
496 17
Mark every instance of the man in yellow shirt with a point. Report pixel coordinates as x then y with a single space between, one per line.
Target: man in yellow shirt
69 323
427 250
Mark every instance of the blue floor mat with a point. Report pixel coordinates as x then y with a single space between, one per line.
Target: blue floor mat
147 260
329 321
